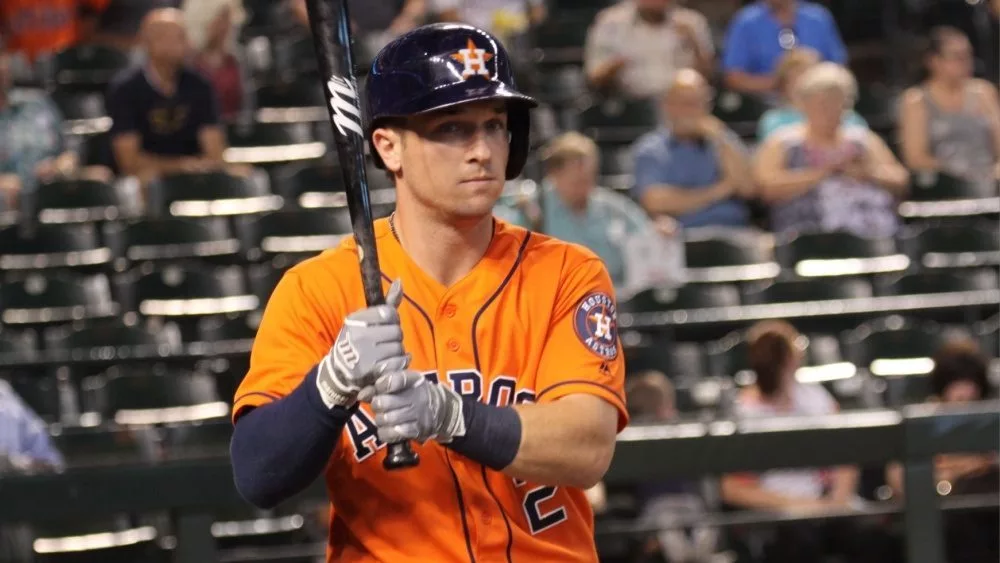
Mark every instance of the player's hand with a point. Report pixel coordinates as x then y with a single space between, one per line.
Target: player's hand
369 345
409 407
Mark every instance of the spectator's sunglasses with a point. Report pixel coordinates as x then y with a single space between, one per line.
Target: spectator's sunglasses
787 38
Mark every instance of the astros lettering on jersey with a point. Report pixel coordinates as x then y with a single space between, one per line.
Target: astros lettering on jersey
534 321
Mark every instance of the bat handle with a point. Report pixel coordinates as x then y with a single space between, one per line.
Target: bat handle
400 456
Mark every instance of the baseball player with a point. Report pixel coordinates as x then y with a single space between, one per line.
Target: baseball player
496 354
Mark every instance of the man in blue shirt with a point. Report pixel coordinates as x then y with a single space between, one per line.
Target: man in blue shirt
571 207
762 32
694 169
25 444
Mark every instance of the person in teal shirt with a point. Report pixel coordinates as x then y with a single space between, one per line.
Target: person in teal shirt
568 205
791 66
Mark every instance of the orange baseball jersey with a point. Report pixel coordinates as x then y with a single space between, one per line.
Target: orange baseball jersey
34 27
534 321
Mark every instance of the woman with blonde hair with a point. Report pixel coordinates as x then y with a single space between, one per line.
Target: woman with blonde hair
823 176
792 66
213 27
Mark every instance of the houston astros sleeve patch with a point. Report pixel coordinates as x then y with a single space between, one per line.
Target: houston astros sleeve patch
596 324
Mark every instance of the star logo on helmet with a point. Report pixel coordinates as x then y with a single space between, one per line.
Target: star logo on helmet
474 60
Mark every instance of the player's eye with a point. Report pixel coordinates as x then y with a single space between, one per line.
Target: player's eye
495 128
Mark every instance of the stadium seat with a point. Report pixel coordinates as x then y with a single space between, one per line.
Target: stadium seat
988 332
559 39
294 57
80 201
618 121
71 246
272 143
84 112
172 239
41 393
298 232
898 351
839 254
250 530
187 291
144 395
95 150
107 445
113 341
319 184
200 439
729 256
209 194
691 296
953 245
44 300
942 195
563 86
876 106
652 351
290 102
943 281
793 291
739 111
264 277
88 67
706 398
96 539
17 346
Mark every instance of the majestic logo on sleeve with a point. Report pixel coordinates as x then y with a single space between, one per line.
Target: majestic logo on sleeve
596 324
474 60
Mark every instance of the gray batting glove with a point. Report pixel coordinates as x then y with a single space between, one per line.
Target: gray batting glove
408 407
369 344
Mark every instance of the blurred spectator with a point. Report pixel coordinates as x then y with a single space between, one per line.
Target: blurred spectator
673 506
166 117
793 64
775 351
376 21
118 26
572 207
635 47
960 376
506 18
40 27
694 168
213 26
33 149
822 176
25 445
951 121
761 33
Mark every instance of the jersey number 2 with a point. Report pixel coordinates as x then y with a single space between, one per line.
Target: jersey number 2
539 521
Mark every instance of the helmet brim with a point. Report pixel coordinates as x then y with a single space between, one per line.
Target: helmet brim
460 93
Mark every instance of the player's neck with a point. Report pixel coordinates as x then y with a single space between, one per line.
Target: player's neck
445 251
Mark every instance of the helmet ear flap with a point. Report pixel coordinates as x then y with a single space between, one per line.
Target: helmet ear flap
519 125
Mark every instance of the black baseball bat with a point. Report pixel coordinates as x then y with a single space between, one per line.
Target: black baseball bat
331 33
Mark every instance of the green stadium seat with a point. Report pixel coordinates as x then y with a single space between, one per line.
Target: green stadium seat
943 281
88 67
188 291
651 351
953 245
729 256
47 300
52 246
200 439
105 446
41 393
112 341
80 201
876 105
898 351
298 232
563 86
171 239
290 102
792 291
618 121
247 529
739 111
840 254
84 112
560 38
147 395
17 346
209 194
690 296
272 143
943 195
96 539
988 332
312 185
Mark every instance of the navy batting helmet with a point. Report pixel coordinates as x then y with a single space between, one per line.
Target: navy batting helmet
442 65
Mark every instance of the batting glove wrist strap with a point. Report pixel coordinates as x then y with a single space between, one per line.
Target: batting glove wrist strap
492 434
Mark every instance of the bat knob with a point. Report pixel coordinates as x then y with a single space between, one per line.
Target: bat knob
400 456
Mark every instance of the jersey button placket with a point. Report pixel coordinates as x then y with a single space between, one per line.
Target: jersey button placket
453 345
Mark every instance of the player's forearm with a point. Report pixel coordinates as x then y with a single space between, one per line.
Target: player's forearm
279 449
568 442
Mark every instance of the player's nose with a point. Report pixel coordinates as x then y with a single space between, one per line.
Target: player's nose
479 150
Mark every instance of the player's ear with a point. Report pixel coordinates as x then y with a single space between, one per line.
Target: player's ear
389 143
